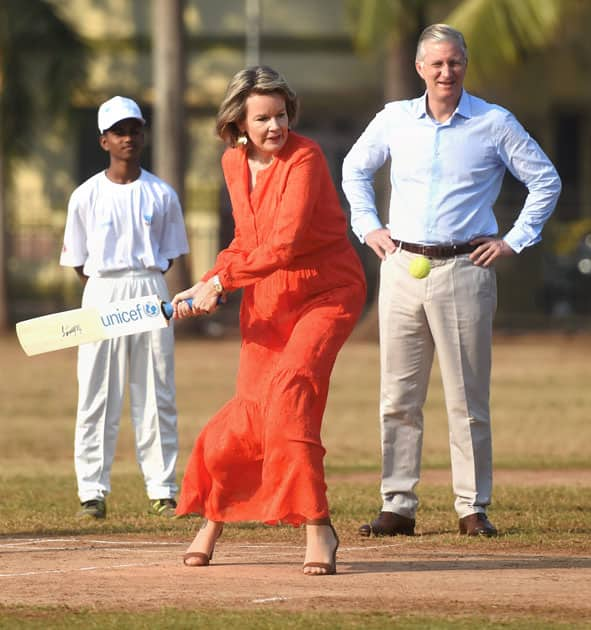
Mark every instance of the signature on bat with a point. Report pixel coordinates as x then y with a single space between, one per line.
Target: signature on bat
69 331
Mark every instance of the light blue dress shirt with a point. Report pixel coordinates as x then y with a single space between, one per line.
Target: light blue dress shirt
447 176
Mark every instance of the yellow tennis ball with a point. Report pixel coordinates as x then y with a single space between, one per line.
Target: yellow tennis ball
419 267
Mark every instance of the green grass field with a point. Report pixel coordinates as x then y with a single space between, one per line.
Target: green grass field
541 403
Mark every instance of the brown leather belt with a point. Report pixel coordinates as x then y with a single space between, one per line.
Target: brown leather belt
436 251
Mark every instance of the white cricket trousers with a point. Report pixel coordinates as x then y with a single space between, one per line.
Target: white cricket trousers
451 312
146 361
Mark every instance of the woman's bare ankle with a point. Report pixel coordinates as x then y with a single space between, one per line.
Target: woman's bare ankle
207 536
319 521
213 526
321 545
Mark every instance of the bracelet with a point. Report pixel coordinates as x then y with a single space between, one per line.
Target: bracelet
217 285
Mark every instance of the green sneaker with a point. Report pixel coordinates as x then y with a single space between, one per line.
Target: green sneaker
163 507
96 508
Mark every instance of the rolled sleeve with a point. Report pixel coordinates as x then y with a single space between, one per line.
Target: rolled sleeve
529 164
366 156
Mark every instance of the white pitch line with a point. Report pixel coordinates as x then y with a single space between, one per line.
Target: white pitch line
267 600
32 541
50 549
31 573
90 550
271 547
113 566
298 548
373 548
135 542
341 548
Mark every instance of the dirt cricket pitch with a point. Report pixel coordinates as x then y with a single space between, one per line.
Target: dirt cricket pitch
493 578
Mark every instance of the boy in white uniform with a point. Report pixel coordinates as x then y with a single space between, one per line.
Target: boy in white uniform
123 230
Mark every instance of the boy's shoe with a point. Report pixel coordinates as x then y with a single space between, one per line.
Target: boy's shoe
163 507
96 508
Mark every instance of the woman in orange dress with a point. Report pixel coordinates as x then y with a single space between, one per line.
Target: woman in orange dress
261 457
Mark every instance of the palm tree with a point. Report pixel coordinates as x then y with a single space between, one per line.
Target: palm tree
42 60
499 34
388 29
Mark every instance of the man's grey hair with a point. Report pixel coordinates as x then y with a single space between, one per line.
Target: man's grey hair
441 33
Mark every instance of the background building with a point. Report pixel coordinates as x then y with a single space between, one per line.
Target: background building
311 43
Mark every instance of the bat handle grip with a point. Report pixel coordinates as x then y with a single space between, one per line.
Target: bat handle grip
168 311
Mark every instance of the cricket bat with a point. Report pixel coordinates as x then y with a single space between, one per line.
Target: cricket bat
85 325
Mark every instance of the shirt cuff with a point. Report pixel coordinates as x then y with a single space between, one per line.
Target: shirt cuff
365 224
518 241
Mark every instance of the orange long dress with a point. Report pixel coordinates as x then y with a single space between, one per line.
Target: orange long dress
261 457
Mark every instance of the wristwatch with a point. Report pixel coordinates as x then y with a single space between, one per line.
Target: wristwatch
217 285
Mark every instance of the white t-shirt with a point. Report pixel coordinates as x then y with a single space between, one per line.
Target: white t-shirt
114 227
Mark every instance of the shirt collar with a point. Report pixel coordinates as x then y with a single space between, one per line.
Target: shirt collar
420 106
464 107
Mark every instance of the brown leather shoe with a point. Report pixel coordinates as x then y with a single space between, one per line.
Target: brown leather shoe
389 524
477 525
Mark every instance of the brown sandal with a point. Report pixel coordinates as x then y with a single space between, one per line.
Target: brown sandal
330 568
203 558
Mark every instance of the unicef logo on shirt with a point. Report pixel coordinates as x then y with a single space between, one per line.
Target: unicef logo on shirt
152 309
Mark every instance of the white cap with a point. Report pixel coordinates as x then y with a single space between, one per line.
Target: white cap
116 109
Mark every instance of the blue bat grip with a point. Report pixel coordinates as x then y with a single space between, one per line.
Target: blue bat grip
168 311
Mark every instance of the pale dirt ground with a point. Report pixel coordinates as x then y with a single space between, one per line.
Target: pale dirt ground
131 573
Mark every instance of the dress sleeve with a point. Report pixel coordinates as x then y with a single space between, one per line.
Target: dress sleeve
238 268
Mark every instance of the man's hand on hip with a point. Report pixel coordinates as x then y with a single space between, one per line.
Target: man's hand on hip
488 250
381 242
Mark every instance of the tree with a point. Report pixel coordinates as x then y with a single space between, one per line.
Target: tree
42 62
499 34
169 108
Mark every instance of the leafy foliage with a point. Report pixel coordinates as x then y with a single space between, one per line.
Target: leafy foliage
377 22
42 61
501 33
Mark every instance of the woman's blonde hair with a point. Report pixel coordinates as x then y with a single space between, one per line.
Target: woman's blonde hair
255 80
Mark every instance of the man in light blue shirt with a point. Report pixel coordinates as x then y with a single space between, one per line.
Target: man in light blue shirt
449 152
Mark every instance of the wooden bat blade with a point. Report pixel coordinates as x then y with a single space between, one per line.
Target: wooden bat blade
88 324
60 330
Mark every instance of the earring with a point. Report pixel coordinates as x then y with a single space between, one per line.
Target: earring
242 139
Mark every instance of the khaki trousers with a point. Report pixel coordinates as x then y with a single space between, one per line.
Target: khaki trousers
451 312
